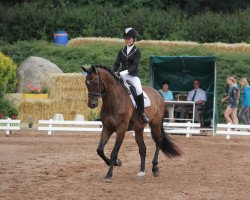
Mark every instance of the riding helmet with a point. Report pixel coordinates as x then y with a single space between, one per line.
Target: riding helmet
130 33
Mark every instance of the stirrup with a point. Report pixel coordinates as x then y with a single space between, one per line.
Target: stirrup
144 118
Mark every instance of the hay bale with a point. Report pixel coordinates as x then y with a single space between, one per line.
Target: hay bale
68 95
89 40
67 87
34 108
218 47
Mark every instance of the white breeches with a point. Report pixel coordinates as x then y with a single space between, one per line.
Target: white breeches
136 82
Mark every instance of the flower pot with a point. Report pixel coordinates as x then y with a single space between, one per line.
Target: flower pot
35 96
30 125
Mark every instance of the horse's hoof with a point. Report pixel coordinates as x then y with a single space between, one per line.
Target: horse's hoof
107 180
141 175
156 171
118 162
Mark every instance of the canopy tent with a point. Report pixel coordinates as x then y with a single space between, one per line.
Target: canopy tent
180 71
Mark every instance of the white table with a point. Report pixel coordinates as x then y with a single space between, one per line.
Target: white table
173 103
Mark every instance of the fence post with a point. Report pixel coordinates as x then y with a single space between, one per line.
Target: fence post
228 130
188 129
50 126
8 125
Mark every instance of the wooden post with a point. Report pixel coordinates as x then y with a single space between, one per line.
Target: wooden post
228 130
188 129
50 125
8 125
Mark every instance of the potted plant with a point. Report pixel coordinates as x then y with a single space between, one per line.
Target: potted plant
30 122
36 92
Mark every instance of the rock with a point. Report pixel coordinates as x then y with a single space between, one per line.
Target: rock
33 70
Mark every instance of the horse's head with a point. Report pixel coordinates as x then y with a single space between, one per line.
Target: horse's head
94 85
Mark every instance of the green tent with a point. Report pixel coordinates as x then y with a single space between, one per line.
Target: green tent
180 71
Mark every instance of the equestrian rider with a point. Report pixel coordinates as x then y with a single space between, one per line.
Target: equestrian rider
130 56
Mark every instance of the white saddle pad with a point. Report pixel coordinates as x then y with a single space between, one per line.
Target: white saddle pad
147 102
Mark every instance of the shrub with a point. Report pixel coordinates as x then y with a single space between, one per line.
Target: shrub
107 20
7 109
8 77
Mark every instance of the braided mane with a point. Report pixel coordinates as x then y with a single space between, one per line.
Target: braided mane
107 69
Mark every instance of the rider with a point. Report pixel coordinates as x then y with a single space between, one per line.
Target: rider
130 56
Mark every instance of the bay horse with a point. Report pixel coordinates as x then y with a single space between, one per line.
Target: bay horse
116 113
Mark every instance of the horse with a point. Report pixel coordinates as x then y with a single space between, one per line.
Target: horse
116 114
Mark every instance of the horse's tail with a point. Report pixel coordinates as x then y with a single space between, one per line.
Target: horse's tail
168 147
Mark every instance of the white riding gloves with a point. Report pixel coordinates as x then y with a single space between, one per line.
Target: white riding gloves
125 72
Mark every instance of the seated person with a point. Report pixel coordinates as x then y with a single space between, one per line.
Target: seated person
199 96
167 96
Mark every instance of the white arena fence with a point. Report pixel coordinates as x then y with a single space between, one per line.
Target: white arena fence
96 126
9 125
188 128
82 126
233 129
182 128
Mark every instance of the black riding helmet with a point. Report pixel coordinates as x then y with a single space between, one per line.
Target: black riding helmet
130 33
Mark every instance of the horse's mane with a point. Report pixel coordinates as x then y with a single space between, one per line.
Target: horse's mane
107 69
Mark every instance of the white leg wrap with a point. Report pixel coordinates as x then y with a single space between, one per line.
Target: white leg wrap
141 174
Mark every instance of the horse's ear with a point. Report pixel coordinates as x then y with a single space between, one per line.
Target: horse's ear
84 68
93 69
88 69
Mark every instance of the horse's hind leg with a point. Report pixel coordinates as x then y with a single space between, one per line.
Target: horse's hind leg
142 150
155 168
156 135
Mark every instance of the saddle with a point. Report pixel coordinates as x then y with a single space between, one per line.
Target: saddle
130 89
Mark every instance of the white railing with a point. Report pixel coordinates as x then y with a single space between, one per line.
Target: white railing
9 125
182 128
82 126
232 129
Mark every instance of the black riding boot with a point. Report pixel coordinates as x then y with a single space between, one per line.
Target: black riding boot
140 108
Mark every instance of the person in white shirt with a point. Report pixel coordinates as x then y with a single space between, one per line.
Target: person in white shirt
199 97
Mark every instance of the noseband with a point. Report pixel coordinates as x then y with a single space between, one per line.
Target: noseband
96 94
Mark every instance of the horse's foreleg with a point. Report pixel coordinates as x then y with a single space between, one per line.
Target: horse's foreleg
142 151
105 135
114 154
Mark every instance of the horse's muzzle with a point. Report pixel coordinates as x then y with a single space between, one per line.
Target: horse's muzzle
93 103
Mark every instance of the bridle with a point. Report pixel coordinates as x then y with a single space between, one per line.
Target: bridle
100 83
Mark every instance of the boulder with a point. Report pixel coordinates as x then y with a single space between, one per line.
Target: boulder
33 70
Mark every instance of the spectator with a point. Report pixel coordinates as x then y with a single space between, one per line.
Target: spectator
244 111
227 88
236 85
230 113
167 96
199 97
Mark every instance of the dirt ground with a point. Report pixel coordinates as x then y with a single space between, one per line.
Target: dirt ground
34 165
